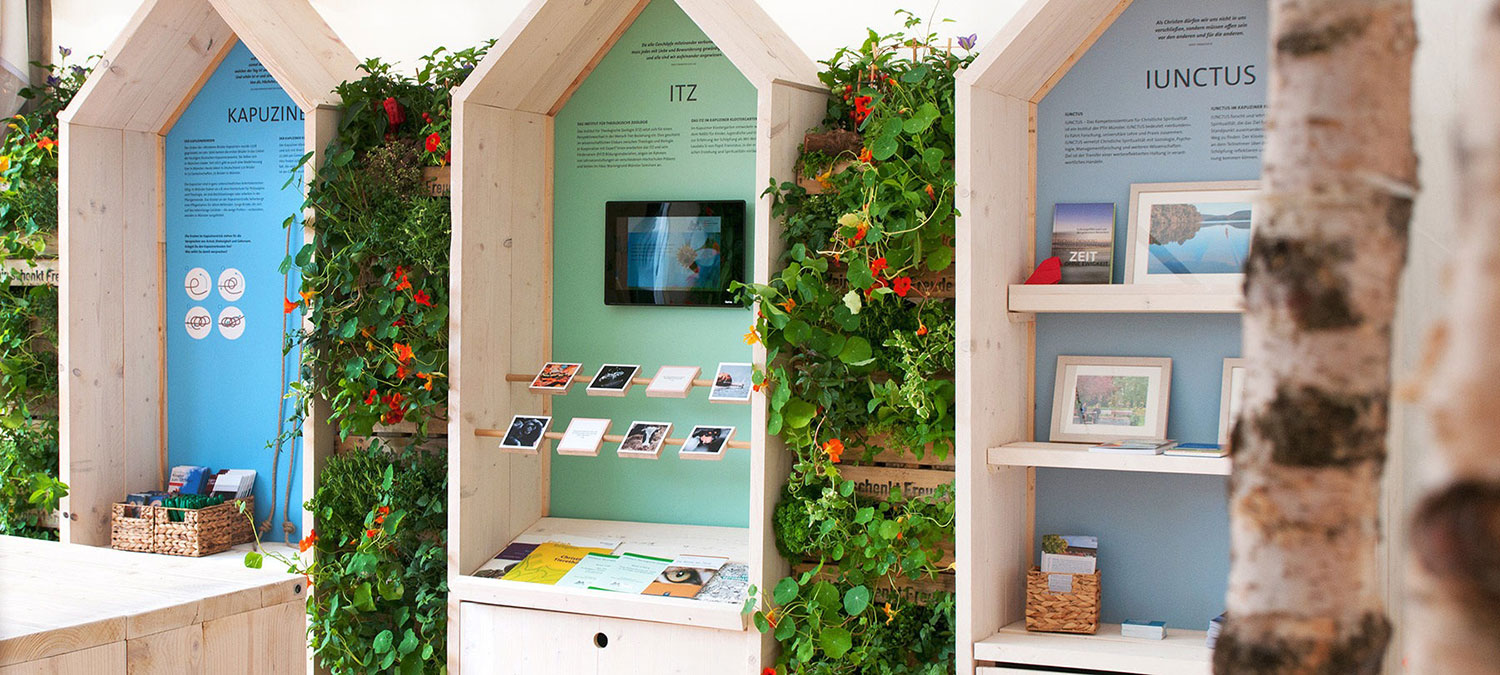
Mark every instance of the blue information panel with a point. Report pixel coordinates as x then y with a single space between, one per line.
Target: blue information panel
228 159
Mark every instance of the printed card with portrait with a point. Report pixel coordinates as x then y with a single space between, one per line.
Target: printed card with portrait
613 379
555 378
732 383
526 433
706 442
644 440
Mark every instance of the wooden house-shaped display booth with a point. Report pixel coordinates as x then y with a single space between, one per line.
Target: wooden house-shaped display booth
174 189
578 109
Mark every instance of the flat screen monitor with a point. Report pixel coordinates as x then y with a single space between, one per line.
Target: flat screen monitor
677 253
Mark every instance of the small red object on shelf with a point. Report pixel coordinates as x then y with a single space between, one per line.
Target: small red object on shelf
1049 272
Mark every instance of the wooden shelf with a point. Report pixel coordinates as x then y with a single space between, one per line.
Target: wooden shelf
656 539
1077 456
1183 652
1125 298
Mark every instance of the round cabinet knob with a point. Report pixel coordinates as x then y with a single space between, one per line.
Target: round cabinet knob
601 640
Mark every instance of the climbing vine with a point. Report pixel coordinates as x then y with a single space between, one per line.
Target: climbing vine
29 485
860 342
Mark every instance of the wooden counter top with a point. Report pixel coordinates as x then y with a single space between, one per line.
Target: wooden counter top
57 599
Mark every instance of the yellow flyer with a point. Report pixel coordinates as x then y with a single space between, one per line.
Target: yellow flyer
549 562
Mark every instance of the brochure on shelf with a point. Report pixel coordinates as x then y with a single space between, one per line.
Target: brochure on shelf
592 571
550 562
686 576
632 573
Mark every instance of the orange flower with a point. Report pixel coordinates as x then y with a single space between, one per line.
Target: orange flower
383 510
372 533
287 306
400 371
46 143
404 285
768 671
921 330
752 337
307 296
308 541
428 378
771 617
866 156
892 80
931 194
859 233
789 305
403 352
835 449
890 614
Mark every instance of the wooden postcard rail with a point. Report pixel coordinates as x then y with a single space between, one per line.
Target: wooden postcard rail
585 379
608 438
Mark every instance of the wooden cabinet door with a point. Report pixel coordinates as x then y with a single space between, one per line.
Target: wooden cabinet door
668 649
510 641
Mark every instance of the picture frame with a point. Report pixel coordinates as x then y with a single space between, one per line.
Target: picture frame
1189 233
613 379
1231 396
644 440
584 436
732 383
706 442
525 433
555 377
673 381
1121 398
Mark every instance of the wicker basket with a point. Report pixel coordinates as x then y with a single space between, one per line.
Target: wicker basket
204 531
132 527
1062 603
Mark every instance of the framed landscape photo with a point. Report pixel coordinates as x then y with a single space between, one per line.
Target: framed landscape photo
613 379
673 381
526 433
731 384
1099 399
706 442
1083 239
555 378
1189 233
644 439
1231 396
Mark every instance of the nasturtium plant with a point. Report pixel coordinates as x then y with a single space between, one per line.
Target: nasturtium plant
860 346
29 485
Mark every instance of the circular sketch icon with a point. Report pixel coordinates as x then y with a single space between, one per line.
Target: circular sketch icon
199 323
231 284
232 323
198 284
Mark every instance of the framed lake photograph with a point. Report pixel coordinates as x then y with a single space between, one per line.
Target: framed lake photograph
731 383
706 442
1099 399
526 433
613 379
1231 396
1083 238
1189 233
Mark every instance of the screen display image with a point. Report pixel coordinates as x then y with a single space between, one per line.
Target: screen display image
673 253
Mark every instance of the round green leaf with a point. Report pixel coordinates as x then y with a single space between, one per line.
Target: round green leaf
835 641
856 600
856 351
786 591
798 413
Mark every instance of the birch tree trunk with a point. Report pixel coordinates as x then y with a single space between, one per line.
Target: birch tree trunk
1454 593
1329 246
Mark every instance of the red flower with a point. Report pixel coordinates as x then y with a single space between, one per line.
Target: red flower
448 157
434 141
372 533
402 283
866 156
401 371
901 285
370 397
427 118
877 266
308 541
46 143
859 233
862 107
398 323
835 449
287 306
768 671
392 417
421 298
393 112
921 330
403 352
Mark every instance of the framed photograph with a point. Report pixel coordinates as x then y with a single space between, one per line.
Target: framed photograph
706 442
1231 396
613 379
732 383
673 381
1099 399
583 437
526 433
555 378
1189 233
644 439
1083 239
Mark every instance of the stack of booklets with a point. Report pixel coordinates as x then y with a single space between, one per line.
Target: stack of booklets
1215 626
595 565
1144 630
1070 553
1135 447
1198 450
